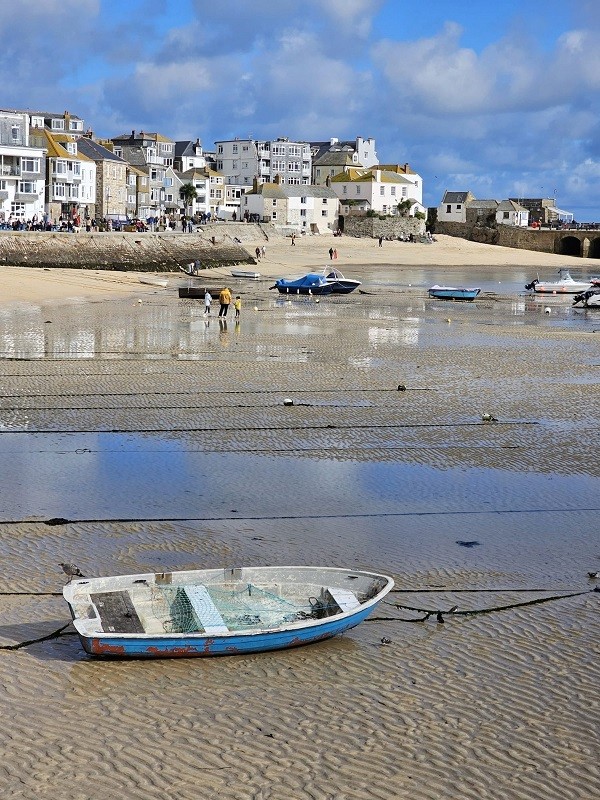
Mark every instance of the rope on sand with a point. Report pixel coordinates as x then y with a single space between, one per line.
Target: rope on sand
54 635
440 613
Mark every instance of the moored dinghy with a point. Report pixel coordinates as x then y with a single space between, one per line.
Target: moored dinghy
219 611
453 292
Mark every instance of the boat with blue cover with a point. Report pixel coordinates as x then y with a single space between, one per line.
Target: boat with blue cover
219 611
312 283
453 292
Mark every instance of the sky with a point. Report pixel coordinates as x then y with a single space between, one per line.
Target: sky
501 99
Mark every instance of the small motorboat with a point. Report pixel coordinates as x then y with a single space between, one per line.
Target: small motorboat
589 298
150 281
564 285
219 611
339 284
245 273
313 283
453 292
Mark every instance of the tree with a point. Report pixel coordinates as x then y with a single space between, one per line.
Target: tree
188 193
404 207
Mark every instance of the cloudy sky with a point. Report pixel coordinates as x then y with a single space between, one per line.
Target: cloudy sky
499 98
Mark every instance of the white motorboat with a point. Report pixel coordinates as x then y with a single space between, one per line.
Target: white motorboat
564 285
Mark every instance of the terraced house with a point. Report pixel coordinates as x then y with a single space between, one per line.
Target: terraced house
152 154
22 170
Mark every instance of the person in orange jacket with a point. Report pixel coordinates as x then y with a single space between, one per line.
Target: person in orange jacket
224 300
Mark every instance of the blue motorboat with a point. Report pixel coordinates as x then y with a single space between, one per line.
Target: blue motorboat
453 293
339 284
313 283
219 611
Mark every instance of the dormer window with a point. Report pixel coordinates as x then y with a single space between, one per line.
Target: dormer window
72 148
58 124
76 125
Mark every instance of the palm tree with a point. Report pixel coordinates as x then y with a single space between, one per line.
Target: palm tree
188 194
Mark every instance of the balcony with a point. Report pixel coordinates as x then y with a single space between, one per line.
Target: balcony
9 169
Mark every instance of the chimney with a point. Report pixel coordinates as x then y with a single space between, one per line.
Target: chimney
133 134
255 185
277 179
405 168
328 180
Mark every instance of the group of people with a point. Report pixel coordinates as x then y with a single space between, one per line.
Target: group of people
225 300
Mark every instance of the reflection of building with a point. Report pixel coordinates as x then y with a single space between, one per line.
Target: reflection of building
22 169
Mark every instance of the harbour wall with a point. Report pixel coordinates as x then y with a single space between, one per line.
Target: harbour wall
216 245
585 244
373 227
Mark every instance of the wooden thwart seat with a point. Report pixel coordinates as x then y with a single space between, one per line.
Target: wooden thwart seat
205 610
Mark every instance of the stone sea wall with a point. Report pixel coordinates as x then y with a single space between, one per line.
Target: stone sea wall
215 246
373 227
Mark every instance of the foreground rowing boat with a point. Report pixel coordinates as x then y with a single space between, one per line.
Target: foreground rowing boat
219 611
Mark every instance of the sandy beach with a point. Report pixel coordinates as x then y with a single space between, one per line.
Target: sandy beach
142 436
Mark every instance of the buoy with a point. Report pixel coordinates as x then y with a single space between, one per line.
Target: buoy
448 320
256 308
140 302
288 401
547 310
317 300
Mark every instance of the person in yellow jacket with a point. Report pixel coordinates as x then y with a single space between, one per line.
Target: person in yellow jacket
224 301
237 304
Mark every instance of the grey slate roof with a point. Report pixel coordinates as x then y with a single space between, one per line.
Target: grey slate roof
96 151
493 204
455 197
337 158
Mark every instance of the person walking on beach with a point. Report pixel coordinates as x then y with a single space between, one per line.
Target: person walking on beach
334 253
263 251
237 304
207 301
257 251
293 239
380 241
331 253
224 301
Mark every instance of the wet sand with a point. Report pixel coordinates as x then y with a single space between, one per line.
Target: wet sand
164 442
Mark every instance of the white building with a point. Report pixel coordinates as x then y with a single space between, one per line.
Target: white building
313 209
334 156
22 170
380 189
511 213
243 160
453 207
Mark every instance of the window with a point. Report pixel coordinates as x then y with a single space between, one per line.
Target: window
274 215
76 167
292 181
393 191
278 150
118 151
30 165
58 125
344 189
358 190
131 199
404 191
274 202
318 172
382 191
15 133
458 206
448 209
234 149
60 167
76 125
60 190
245 148
168 181
303 201
169 198
72 148
220 149
324 212
506 215
302 212
27 187
2 186
17 209
324 201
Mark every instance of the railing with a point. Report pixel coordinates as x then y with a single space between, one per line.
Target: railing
6 169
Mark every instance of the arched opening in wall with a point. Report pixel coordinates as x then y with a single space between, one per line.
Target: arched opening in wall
594 251
569 246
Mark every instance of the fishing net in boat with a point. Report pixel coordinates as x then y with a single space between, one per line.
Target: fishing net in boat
184 609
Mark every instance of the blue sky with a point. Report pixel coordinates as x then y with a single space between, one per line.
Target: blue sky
501 99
